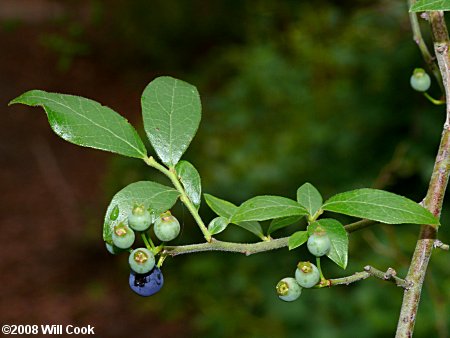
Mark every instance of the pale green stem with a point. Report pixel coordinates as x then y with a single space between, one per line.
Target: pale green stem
170 173
146 242
433 100
322 278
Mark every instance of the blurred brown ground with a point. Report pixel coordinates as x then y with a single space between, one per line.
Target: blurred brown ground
53 268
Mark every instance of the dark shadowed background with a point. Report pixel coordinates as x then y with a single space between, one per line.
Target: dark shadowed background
292 92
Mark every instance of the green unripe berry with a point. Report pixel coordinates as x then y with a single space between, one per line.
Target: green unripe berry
288 289
307 275
140 218
319 243
141 260
420 80
122 236
166 227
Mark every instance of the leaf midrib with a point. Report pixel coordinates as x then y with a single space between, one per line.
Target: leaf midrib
371 204
85 117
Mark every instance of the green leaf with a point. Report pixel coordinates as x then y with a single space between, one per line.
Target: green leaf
171 110
339 239
279 223
227 209
297 239
154 196
430 5
190 179
217 225
261 208
251 226
381 206
219 206
86 123
309 197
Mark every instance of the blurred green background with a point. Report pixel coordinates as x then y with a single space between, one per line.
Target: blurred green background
292 92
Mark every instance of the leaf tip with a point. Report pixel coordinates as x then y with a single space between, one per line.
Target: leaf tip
16 100
23 98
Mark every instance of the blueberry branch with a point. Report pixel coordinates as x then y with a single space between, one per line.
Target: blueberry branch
247 248
216 245
389 275
369 271
436 189
171 174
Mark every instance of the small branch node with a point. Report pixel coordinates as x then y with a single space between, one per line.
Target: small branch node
390 273
441 48
408 285
440 245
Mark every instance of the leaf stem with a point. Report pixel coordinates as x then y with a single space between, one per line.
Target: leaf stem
171 174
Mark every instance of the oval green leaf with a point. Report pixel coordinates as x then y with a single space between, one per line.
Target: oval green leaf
217 225
219 206
297 239
171 110
339 239
227 209
381 206
280 223
310 198
154 196
190 178
261 208
86 123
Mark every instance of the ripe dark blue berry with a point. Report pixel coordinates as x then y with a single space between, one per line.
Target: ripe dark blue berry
141 260
146 284
288 289
140 218
307 275
166 227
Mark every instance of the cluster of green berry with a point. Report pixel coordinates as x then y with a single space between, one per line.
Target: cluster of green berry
307 274
145 277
